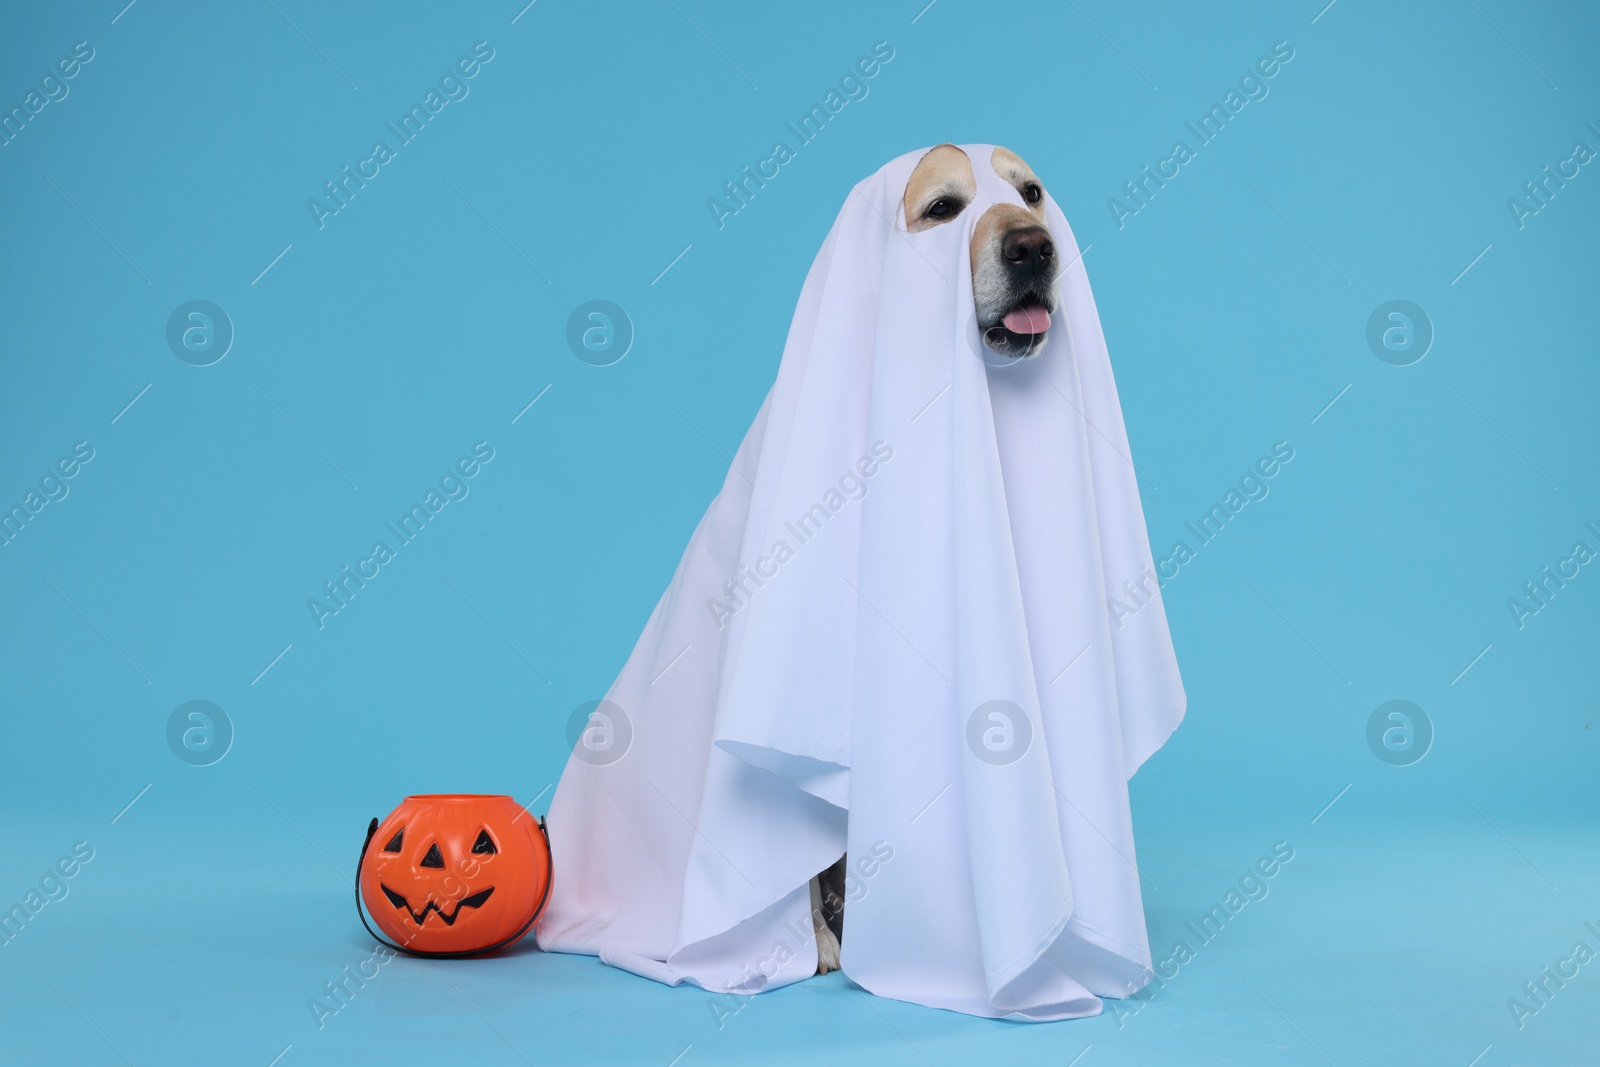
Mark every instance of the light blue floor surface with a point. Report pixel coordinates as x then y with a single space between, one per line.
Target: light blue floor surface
1380 942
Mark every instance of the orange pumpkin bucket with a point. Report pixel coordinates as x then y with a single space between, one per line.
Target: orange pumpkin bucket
453 874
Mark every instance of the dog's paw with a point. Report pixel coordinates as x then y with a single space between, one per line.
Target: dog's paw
827 950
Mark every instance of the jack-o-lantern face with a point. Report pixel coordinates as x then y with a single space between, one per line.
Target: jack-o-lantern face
455 873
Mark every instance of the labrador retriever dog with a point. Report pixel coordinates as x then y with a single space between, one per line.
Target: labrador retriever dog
1015 291
1015 273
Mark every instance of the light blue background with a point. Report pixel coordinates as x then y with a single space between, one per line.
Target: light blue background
429 312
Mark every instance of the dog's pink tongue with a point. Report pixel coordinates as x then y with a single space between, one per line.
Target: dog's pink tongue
1027 320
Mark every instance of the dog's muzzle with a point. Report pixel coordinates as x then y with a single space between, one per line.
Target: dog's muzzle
1029 267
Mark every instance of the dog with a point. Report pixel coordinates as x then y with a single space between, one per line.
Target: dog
1015 272
1016 290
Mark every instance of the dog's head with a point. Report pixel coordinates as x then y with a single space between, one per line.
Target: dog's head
1015 271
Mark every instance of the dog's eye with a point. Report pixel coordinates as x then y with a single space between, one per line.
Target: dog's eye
1032 193
942 208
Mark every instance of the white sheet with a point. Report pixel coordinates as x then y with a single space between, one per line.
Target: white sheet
968 516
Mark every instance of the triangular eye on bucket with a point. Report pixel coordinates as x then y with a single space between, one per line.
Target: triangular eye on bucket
396 841
484 845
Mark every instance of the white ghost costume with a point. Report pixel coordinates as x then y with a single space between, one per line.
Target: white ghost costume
891 633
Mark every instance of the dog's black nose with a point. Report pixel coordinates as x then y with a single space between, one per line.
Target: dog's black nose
1028 250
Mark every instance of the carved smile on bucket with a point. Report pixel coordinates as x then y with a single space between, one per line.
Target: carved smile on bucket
474 901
